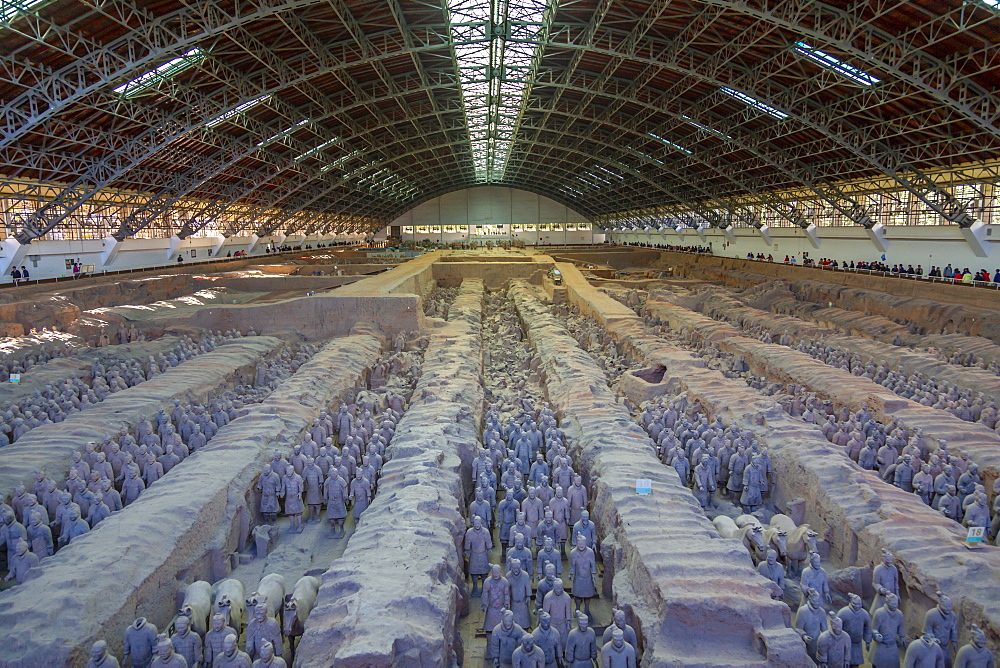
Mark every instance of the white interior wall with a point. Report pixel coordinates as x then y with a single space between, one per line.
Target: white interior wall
494 206
923 245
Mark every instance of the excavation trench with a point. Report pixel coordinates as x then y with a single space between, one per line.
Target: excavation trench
79 363
395 595
682 581
845 389
183 528
926 304
857 514
49 447
718 304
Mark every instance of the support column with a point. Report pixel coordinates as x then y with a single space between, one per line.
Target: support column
391 599
12 255
975 236
765 232
174 247
877 236
217 245
812 233
110 252
254 240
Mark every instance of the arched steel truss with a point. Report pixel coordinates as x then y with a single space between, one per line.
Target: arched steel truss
630 88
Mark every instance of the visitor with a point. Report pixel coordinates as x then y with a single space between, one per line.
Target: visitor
76 270
24 272
996 276
15 273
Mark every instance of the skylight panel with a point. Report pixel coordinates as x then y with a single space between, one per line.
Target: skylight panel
839 66
284 133
995 4
669 143
222 118
572 190
614 174
705 128
647 157
151 79
11 9
755 103
495 43
341 160
599 178
314 151
625 168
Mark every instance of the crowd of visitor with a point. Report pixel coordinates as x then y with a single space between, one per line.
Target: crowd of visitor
963 275
670 247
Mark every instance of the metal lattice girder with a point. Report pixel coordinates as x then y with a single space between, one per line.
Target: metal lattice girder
449 183
708 156
650 185
545 185
295 72
633 45
277 197
438 82
868 143
278 222
96 66
690 181
681 51
635 84
212 165
596 88
850 30
775 157
708 214
690 193
279 66
163 129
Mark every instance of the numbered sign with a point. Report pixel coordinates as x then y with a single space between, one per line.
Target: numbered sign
15 378
643 486
975 536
